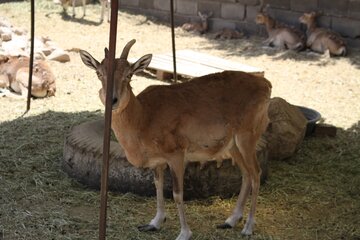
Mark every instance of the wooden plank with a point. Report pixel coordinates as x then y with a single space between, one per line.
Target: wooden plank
216 62
194 64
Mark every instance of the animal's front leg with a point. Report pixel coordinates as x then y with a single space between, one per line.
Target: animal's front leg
73 7
159 218
177 170
267 42
84 7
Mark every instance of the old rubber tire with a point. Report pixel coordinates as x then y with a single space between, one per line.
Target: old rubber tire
83 159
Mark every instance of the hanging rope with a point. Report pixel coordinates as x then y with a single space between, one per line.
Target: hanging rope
31 54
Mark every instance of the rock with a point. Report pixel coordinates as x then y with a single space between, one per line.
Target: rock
286 129
59 55
6 34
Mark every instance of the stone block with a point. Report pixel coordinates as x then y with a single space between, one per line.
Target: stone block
210 6
304 5
287 17
163 5
324 21
249 2
354 9
284 4
187 7
251 12
251 28
338 7
352 43
346 27
147 4
181 19
216 24
133 3
232 11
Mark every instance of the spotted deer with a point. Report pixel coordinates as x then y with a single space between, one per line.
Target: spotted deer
280 35
321 39
200 27
14 74
213 117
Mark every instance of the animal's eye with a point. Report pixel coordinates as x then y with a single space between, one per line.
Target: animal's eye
99 74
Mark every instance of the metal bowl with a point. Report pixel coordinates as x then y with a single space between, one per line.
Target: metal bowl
312 116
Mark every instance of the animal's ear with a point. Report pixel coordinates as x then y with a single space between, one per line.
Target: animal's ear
106 52
200 14
88 60
141 64
4 59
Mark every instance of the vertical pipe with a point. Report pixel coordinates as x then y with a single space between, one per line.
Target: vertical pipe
31 54
173 37
108 111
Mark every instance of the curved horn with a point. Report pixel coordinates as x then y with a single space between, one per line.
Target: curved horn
126 49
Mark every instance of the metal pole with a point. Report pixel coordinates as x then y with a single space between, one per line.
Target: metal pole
173 38
31 54
108 111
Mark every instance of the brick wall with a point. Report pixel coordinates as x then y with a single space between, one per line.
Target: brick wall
342 16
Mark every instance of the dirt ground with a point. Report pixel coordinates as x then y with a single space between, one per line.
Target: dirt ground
314 195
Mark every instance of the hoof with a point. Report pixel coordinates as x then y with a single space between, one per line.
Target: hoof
224 226
147 228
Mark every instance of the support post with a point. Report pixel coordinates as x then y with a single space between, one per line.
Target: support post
173 38
31 54
107 129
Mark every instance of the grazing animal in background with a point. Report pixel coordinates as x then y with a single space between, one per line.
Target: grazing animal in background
321 39
279 34
201 27
14 74
212 117
105 5
228 33
65 5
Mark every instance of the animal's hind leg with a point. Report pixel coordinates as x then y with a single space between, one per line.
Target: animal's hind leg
244 192
247 147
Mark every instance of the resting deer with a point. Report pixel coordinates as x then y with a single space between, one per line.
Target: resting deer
279 34
14 74
321 39
227 33
212 117
201 27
